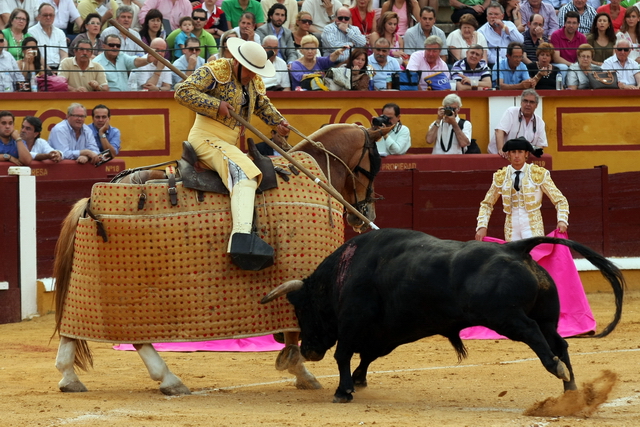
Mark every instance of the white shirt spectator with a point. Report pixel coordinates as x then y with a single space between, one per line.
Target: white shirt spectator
139 76
515 125
9 73
256 36
31 6
66 13
282 75
398 141
182 64
446 135
55 43
41 146
626 73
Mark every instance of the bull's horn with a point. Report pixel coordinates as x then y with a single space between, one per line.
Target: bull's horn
285 288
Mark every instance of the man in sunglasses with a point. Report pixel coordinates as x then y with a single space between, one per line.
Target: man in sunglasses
189 61
628 71
117 64
341 33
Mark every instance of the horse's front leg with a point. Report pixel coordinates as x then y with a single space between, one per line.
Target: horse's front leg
290 358
170 384
70 382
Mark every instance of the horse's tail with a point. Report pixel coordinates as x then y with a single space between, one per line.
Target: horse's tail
62 275
606 267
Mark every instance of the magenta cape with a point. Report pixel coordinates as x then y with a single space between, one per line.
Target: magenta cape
264 343
575 314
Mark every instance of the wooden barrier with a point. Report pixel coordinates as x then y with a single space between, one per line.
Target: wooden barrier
9 251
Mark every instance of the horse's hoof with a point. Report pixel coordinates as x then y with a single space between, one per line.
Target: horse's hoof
290 355
308 383
561 370
73 387
175 390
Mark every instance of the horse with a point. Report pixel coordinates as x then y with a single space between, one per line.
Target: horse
124 293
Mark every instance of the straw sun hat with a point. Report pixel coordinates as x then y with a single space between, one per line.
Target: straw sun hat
252 56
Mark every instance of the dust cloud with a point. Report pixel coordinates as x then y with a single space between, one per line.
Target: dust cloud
581 402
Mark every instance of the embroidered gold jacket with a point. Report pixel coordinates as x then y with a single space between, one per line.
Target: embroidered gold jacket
215 82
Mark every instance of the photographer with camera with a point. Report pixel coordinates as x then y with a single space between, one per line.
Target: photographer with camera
398 141
450 134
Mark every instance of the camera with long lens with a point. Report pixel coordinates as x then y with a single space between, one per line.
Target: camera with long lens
381 121
449 111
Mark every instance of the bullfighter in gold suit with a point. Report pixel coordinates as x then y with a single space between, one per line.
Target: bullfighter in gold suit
211 91
521 186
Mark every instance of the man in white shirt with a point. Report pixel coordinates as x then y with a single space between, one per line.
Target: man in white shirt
66 13
38 147
398 141
152 77
7 6
498 33
189 61
323 12
48 34
628 71
341 33
246 28
445 132
281 80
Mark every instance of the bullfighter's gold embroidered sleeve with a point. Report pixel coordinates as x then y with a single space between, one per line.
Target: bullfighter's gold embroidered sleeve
557 198
194 92
264 108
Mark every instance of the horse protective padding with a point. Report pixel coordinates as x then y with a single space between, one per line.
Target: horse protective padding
164 274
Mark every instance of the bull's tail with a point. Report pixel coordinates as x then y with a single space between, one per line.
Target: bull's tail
606 267
62 276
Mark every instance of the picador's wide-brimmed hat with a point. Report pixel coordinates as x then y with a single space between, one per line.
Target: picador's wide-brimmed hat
519 143
252 56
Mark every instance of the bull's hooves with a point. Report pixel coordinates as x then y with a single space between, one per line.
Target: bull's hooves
73 387
561 370
360 384
342 399
176 390
310 384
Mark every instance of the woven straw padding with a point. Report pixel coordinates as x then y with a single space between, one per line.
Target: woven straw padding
164 274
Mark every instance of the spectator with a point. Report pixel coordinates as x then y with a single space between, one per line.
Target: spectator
510 73
354 74
16 31
38 148
543 72
602 38
246 28
186 31
341 33
388 29
383 64
498 33
615 12
521 186
135 5
407 11
533 37
512 13
118 64
471 72
290 5
66 15
82 74
31 61
172 11
628 71
124 16
235 9
303 26
189 61
90 31
475 8
73 138
152 77
9 73
47 34
215 20
224 52
544 8
8 6
105 8
630 31
567 39
464 37
281 80
363 16
311 64
398 141
431 66
520 121
577 77
323 12
13 147
207 42
450 134
276 17
586 13
416 36
106 136
152 29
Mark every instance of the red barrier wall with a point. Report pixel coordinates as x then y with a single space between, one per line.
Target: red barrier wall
10 267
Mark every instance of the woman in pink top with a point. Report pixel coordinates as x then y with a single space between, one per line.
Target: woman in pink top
388 29
405 9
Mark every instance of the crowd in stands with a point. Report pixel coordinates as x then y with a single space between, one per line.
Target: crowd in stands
64 45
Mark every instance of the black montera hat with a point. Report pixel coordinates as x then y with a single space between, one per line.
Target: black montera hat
519 143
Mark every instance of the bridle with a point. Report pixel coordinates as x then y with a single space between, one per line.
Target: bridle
371 149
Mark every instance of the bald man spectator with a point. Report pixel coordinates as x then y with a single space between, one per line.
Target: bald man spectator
73 138
587 14
341 33
540 7
48 34
153 76
533 36
82 74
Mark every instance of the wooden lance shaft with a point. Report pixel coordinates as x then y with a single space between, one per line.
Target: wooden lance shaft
328 188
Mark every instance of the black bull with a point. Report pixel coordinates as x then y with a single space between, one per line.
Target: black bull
391 287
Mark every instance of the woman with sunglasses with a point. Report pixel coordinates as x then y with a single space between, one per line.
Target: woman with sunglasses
302 28
152 28
602 37
90 31
630 31
16 31
31 62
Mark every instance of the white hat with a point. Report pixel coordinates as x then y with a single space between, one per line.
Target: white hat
252 56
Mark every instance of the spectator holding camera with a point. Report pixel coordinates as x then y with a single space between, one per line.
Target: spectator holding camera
450 134
398 141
